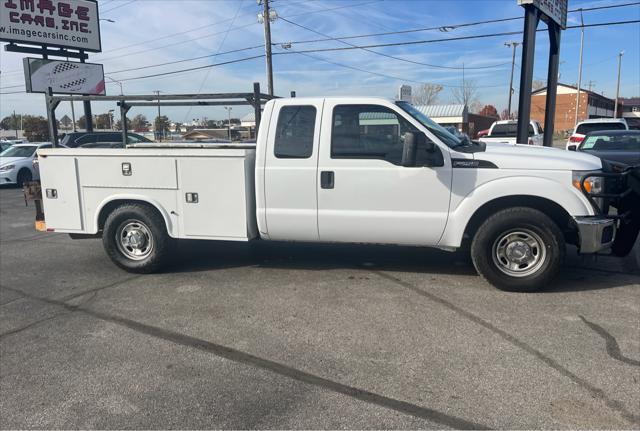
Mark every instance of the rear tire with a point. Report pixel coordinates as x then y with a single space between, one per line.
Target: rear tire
24 176
135 238
518 249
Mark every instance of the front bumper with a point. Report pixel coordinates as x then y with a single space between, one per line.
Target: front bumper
596 233
8 177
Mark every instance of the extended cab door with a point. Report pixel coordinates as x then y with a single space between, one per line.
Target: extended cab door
291 164
364 194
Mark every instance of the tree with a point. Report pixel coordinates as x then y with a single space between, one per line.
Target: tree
82 124
118 124
103 121
161 125
489 111
139 122
36 129
210 124
426 94
537 84
11 122
178 128
467 94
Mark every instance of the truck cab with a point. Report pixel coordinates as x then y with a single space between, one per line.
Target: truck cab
347 169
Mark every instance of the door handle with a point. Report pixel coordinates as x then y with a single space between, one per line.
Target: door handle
326 179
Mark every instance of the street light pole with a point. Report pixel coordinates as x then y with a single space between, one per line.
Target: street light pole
228 109
514 45
157 123
615 110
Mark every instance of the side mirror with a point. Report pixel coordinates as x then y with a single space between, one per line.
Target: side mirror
409 149
572 148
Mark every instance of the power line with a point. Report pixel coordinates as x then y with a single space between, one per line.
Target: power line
369 46
479 36
118 7
447 28
173 72
391 56
383 75
213 34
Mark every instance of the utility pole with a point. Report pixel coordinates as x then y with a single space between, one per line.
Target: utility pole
157 122
266 19
15 122
514 45
228 109
579 67
615 110
591 84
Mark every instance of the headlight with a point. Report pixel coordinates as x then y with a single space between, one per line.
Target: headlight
6 168
591 185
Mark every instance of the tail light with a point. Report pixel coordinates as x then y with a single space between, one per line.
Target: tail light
576 139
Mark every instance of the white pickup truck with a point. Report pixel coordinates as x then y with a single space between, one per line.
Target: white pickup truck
505 131
356 170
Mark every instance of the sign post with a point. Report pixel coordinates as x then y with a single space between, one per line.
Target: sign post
58 28
554 13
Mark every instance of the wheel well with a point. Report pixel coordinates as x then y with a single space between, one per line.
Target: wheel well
110 206
24 169
558 214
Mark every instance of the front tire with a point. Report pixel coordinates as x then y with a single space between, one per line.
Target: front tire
24 176
518 249
135 238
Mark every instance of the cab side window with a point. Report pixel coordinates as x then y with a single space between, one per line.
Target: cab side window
294 132
368 132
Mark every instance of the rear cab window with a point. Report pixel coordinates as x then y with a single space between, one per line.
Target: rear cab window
585 128
294 132
509 130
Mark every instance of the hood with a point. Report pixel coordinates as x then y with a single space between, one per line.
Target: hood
631 158
507 156
12 160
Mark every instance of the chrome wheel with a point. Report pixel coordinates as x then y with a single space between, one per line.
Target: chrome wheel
519 253
134 240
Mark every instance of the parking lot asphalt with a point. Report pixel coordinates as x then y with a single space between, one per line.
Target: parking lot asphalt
274 335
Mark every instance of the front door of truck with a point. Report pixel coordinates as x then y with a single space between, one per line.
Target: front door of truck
291 164
364 194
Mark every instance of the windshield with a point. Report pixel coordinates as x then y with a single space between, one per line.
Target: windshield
603 142
26 151
442 133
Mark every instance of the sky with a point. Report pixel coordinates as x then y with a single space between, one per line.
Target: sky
149 32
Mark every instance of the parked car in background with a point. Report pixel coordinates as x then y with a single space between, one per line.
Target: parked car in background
505 131
16 163
5 145
482 133
458 134
621 146
81 139
594 125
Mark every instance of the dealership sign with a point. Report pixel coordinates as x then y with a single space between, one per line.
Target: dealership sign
63 77
555 10
61 23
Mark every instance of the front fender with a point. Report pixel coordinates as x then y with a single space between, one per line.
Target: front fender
568 197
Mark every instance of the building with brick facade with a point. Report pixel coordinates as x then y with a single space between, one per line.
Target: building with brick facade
592 105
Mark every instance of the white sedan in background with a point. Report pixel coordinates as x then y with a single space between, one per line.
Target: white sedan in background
16 163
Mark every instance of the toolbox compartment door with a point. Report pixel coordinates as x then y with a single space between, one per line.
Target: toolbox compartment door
60 193
213 196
